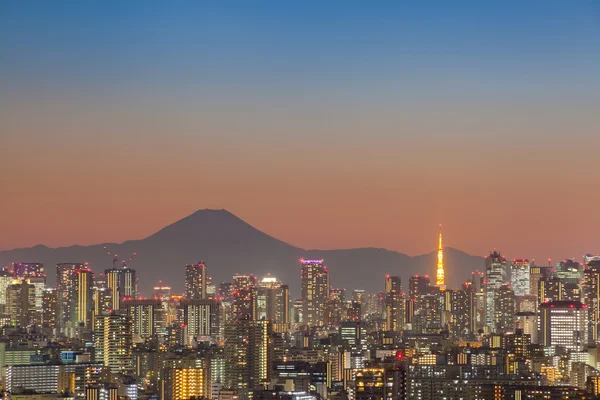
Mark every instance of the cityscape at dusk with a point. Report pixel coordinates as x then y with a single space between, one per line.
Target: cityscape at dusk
299 200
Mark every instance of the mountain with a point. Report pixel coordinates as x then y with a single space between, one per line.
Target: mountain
229 245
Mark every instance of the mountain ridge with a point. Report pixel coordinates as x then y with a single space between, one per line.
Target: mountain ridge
230 245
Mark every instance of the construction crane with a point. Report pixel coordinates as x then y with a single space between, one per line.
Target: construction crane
125 262
115 257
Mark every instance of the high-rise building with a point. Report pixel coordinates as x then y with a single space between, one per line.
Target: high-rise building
315 291
83 301
553 288
128 283
440 273
113 341
457 305
21 304
113 281
196 281
393 304
478 301
66 292
537 273
49 306
429 312
23 270
185 384
520 274
504 309
495 277
418 285
35 275
563 324
144 315
244 296
260 357
122 284
272 301
201 318
591 295
5 280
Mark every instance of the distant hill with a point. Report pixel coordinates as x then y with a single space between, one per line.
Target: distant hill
229 245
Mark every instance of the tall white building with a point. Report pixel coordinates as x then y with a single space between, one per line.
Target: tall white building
563 324
495 277
520 276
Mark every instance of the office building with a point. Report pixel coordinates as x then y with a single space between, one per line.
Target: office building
495 277
520 275
394 312
504 309
83 307
49 308
201 319
272 301
144 315
563 324
591 295
196 281
21 304
243 295
315 291
66 292
113 341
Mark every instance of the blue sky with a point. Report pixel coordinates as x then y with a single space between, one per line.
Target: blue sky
398 114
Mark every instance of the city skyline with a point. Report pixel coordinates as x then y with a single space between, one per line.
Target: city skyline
299 200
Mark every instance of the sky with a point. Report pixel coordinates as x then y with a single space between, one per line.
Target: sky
336 125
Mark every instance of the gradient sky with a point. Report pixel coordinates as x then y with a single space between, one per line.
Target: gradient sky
325 125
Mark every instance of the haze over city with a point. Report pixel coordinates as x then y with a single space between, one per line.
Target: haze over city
326 126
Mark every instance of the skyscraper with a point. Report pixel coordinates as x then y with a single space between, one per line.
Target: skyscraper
113 281
393 306
122 284
315 291
520 273
21 303
66 293
83 300
260 357
196 281
495 277
591 294
272 301
244 294
504 309
49 308
563 324
128 283
144 316
440 274
34 274
418 285
5 279
201 318
113 342
457 306
478 301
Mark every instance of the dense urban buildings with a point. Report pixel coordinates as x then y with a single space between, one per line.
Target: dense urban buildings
513 331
